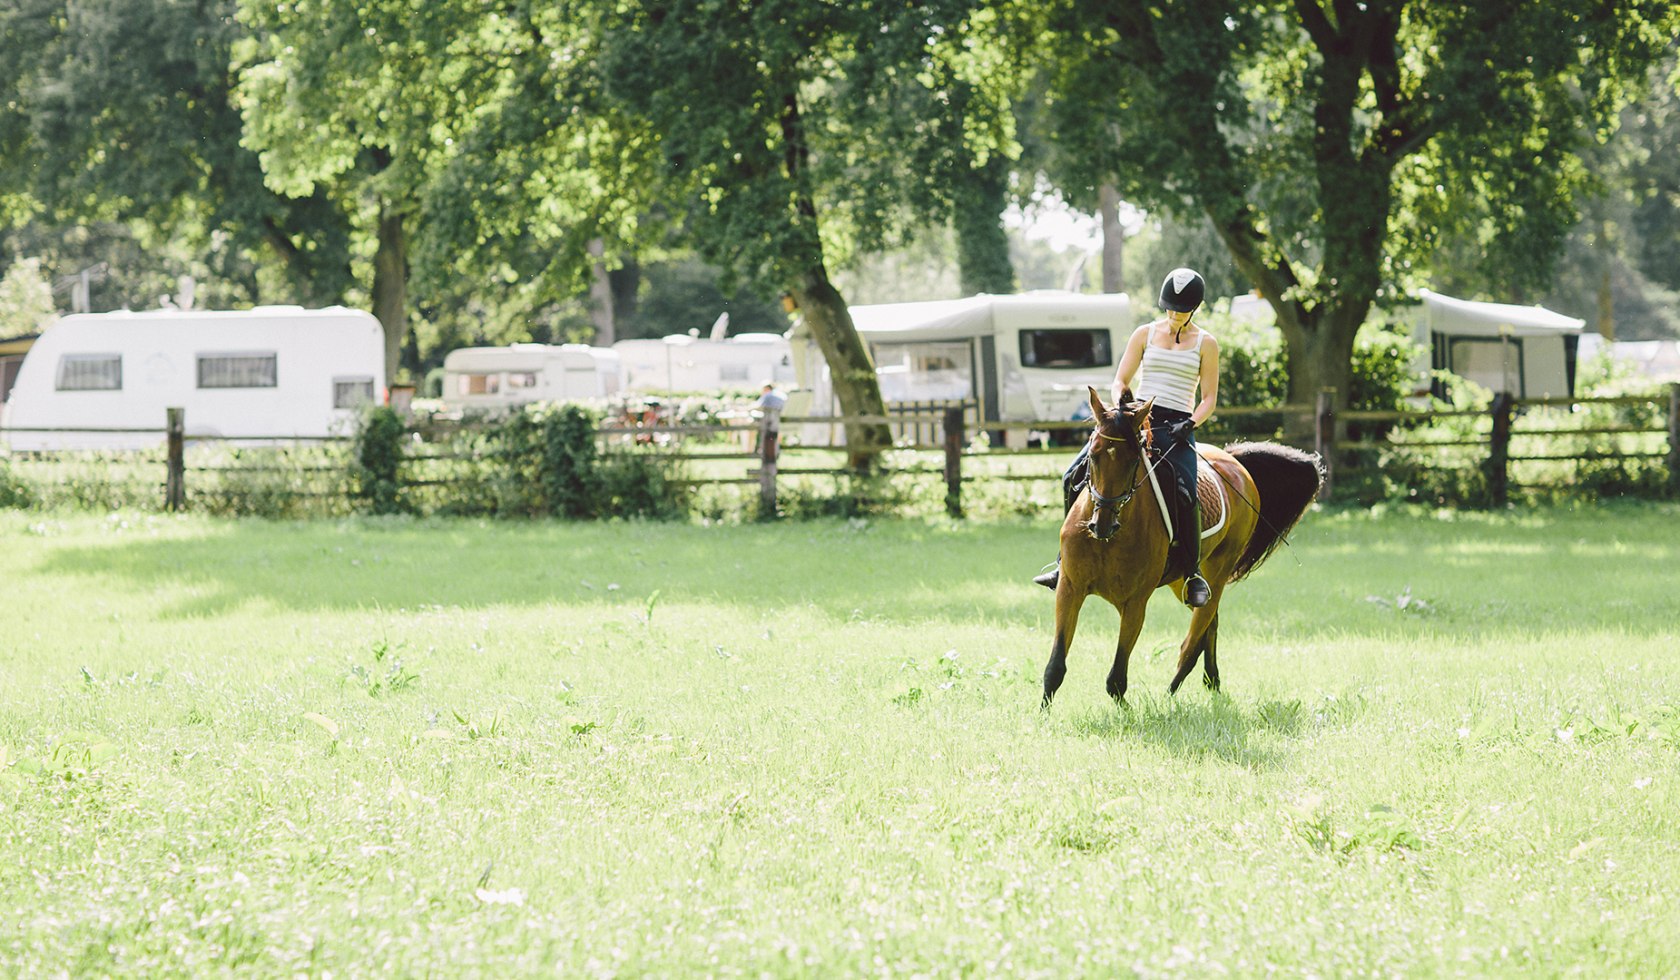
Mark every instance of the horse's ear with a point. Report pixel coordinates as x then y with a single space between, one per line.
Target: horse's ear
1097 408
1142 416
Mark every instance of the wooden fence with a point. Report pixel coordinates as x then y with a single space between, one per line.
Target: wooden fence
950 432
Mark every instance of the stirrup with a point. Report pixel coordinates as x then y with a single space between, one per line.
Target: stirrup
1051 578
1196 591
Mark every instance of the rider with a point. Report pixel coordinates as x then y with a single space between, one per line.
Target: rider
1168 359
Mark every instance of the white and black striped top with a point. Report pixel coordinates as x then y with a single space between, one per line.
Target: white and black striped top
1170 376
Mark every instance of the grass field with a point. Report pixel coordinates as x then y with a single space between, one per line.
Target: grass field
1448 744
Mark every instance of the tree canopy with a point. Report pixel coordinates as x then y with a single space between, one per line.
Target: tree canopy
1334 145
474 167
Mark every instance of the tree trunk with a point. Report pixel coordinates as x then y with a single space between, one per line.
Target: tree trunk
850 370
1113 240
849 367
390 285
982 245
600 295
1319 349
626 282
1606 298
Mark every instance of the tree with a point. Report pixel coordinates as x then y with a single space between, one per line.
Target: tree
25 299
1334 144
332 102
120 110
797 133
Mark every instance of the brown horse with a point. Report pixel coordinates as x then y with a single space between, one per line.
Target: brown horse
1114 541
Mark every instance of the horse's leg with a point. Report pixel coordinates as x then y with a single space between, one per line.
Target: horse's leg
1131 624
1199 639
1067 619
1210 663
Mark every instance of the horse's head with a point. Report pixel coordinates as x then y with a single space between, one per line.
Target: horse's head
1116 459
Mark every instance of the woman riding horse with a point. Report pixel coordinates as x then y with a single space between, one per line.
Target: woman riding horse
1169 359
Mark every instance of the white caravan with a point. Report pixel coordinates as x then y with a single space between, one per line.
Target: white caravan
1027 357
269 371
500 377
1528 351
683 363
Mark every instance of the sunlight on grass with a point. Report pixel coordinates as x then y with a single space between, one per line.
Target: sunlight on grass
411 747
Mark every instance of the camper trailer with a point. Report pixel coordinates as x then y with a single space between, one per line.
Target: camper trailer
684 363
500 377
269 371
1027 357
1528 351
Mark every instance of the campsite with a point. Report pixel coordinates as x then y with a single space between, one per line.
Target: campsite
714 488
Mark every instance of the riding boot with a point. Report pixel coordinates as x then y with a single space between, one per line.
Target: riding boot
1196 591
1072 482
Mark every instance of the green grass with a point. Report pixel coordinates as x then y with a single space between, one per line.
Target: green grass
1448 745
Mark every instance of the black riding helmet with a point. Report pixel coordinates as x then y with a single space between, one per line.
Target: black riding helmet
1182 290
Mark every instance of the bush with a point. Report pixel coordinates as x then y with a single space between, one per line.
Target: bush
378 461
14 492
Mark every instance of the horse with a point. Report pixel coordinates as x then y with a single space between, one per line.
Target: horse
1114 540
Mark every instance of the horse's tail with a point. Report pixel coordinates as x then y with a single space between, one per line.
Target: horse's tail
1288 480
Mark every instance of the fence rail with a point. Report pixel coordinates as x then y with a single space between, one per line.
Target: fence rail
951 432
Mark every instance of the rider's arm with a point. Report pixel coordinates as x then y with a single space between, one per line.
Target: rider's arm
1129 361
1209 381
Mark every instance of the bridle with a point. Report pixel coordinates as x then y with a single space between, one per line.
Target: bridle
1119 500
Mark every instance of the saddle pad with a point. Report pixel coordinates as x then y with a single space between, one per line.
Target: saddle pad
1210 491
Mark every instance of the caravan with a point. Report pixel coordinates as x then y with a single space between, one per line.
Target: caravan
1528 351
684 363
1018 358
501 377
264 372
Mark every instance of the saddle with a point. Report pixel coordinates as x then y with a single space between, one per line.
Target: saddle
1183 509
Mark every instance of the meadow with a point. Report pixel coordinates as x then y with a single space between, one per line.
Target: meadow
1448 744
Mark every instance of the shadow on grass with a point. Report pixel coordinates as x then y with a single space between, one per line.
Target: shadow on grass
854 572
1446 580
1214 727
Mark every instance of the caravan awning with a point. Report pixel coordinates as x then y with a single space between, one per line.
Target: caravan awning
902 323
1468 318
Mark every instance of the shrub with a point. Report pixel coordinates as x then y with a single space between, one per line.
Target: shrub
378 461
14 492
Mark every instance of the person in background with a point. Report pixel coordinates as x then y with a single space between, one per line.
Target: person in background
1176 363
771 402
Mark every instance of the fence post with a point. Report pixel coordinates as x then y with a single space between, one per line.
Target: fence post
1499 448
1324 438
769 436
1674 439
954 439
175 482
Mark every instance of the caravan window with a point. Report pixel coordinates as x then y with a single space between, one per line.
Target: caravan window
480 384
238 370
90 372
352 392
734 372
1065 349
522 379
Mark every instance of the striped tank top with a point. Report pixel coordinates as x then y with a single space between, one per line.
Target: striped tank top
1170 376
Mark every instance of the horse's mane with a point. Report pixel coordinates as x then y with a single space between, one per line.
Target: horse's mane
1121 416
